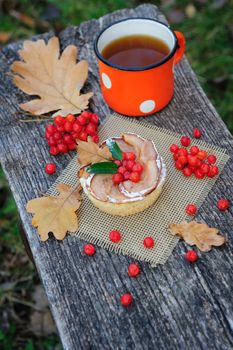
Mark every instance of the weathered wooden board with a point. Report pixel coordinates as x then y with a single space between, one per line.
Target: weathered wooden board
177 306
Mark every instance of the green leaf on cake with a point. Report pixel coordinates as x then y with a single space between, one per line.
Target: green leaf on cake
114 149
102 168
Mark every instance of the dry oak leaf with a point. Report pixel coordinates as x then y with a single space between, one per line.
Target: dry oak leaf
56 79
4 37
89 152
56 214
203 236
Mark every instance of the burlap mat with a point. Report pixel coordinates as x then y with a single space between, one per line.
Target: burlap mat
178 191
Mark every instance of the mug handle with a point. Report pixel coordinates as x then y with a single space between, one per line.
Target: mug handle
181 47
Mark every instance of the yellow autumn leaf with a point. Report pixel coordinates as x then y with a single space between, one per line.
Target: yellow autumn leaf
56 79
199 234
56 214
89 152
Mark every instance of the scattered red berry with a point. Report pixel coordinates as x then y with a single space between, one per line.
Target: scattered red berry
77 127
126 175
201 154
52 141
174 148
187 171
183 160
67 138
53 150
121 170
193 161
223 204
94 119
68 126
197 133
178 165
62 134
199 174
134 177
117 178
61 128
75 135
138 168
191 209
51 129
114 236
83 136
199 163
59 120
89 249
205 168
129 156
82 120
47 135
148 242
126 299
133 270
72 146
192 168
194 150
91 129
191 256
87 115
185 141
213 171
57 136
129 165
95 138
62 147
211 159
182 152
50 168
70 118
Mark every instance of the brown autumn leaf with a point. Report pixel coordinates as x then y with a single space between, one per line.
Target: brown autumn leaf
22 17
56 79
89 152
56 214
203 236
41 322
4 37
31 22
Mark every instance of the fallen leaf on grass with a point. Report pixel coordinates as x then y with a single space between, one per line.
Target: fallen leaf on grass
203 236
56 214
55 78
22 17
89 152
4 37
41 322
31 22
40 298
190 10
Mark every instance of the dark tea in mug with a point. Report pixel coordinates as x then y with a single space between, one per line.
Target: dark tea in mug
135 51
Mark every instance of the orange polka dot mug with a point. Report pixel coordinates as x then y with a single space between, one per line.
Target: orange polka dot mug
139 91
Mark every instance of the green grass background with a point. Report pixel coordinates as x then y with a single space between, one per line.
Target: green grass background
208 27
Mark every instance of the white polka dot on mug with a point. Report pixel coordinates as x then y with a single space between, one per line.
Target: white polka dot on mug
106 81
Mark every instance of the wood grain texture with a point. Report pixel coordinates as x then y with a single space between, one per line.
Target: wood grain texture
177 306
